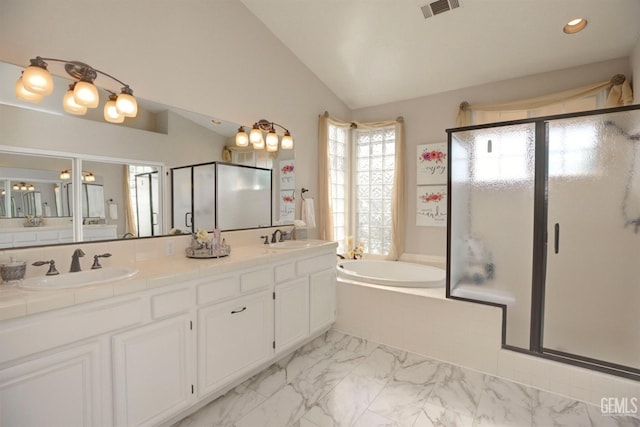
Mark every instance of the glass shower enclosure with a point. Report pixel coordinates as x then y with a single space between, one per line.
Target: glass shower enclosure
544 221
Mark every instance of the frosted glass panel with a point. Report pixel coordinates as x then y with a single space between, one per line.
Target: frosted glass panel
204 197
492 196
592 290
244 197
181 199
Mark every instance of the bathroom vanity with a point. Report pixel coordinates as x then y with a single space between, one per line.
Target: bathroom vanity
159 344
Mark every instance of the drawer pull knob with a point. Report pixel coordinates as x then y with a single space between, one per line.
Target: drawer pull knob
239 311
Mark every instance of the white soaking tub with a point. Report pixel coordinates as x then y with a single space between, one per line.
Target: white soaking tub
392 273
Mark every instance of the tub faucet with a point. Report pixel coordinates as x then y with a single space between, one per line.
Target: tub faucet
75 261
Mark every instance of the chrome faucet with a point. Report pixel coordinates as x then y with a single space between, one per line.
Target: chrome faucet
75 261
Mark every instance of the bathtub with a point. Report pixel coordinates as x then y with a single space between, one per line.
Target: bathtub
392 273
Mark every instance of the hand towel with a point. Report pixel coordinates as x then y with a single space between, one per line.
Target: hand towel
47 210
309 213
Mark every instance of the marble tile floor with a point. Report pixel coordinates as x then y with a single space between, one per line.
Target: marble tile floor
341 380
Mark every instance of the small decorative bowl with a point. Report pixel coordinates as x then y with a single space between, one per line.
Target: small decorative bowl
13 271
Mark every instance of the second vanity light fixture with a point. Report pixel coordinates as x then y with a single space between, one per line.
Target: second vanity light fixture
258 140
36 82
86 176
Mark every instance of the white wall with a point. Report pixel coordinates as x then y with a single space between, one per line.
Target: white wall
427 118
211 57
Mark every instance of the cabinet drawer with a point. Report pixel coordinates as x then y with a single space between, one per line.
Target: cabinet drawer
67 326
217 289
317 263
257 279
284 272
170 303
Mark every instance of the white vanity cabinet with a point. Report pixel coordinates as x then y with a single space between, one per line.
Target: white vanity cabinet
322 289
63 388
233 337
152 376
146 357
291 313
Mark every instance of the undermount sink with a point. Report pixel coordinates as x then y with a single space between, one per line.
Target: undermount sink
291 244
79 279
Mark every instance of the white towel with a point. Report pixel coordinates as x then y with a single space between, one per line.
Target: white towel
309 213
113 211
47 210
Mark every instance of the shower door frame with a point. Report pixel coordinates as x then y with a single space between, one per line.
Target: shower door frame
540 246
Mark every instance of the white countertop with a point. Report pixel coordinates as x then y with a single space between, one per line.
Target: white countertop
17 302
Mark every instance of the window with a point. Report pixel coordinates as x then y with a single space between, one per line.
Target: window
362 168
569 152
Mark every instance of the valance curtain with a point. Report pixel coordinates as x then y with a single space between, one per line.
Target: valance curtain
620 94
325 223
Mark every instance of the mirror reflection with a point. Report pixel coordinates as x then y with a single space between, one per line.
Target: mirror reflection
124 190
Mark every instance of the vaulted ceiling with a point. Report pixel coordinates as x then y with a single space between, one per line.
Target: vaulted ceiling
371 52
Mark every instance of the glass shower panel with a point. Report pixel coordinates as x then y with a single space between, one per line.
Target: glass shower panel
491 236
593 271
204 187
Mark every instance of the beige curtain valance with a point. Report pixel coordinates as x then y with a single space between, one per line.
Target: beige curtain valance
620 94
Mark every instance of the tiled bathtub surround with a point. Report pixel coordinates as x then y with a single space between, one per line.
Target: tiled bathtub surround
341 380
465 334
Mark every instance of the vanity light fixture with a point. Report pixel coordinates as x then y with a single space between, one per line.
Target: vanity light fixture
86 176
575 25
36 82
23 186
257 139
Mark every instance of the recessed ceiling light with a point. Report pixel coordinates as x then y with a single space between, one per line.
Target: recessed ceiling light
575 25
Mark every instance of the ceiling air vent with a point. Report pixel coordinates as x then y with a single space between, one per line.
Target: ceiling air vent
439 6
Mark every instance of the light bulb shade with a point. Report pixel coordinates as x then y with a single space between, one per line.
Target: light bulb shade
242 139
37 80
16 187
31 188
272 141
287 141
259 145
24 95
65 174
89 177
111 113
86 94
255 136
70 106
23 187
127 105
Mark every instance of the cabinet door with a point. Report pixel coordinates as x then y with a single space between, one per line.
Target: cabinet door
291 313
151 374
60 389
233 337
322 299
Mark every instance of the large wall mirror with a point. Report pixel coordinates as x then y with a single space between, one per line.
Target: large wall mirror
65 178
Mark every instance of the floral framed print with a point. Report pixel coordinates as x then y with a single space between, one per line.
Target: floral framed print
431 206
432 164
287 175
287 207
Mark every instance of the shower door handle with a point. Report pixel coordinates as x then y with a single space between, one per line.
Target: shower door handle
556 243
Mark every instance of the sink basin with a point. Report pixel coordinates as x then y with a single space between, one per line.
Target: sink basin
79 279
291 244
